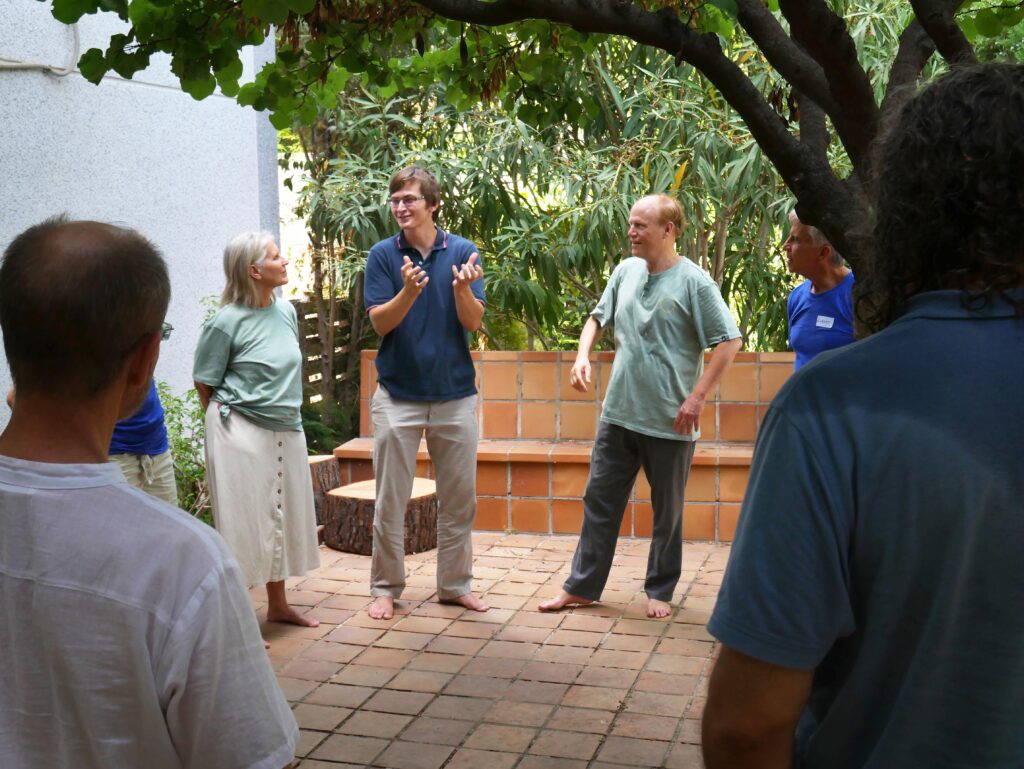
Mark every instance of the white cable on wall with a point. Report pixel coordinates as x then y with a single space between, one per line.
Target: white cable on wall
9 64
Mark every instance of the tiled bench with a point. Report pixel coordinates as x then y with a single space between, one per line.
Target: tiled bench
536 433
536 486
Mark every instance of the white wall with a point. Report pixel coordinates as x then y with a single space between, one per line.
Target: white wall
139 152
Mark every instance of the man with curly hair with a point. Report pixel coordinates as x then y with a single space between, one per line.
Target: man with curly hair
873 607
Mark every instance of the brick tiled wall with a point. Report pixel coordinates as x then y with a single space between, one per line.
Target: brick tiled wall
537 429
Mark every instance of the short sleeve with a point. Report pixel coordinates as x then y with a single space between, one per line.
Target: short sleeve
224 708
712 318
604 312
785 598
291 317
378 284
213 353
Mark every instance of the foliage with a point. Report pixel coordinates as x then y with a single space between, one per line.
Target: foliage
815 116
185 420
548 206
328 424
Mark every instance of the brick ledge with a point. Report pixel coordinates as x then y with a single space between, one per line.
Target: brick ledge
557 452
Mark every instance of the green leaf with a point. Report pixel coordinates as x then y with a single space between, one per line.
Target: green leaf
307 112
120 7
988 23
70 11
93 65
968 27
301 7
199 88
248 94
281 119
271 11
726 6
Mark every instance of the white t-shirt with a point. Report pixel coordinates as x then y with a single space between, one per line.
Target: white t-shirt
128 639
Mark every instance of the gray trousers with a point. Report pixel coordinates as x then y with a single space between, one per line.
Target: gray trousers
451 431
618 455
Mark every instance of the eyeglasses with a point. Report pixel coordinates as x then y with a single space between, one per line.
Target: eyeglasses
406 200
165 332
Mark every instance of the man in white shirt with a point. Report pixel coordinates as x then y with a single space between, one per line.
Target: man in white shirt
129 639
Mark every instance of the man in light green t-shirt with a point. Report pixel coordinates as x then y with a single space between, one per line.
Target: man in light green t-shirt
666 311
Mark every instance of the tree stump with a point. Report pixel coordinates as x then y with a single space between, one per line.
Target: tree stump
348 517
325 472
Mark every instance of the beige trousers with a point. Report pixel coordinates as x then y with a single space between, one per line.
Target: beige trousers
154 475
451 433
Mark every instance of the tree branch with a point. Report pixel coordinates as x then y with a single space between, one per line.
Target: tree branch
824 35
813 131
914 51
661 29
799 69
827 202
937 19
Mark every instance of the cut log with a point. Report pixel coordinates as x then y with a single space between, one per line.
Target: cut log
325 472
348 517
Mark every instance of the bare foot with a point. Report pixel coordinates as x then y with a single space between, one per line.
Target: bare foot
562 600
292 617
266 645
383 607
468 600
658 609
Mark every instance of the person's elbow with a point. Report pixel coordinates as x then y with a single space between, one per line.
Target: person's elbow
377 321
729 729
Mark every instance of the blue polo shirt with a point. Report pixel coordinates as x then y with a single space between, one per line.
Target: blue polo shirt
880 543
426 357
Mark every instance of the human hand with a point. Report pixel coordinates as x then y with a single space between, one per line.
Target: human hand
414 277
466 274
579 374
688 418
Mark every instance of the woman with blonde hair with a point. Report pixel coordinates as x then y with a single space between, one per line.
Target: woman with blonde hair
248 372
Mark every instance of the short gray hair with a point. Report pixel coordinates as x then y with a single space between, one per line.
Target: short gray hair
818 238
242 252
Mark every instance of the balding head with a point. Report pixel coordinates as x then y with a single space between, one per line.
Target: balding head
666 209
75 300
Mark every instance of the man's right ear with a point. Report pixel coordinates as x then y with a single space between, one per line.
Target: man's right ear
142 360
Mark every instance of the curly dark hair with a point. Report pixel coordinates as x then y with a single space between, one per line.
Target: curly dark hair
950 207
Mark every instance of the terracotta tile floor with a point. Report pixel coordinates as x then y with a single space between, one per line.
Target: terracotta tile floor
438 686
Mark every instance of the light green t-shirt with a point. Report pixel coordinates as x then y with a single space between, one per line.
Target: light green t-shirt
251 358
663 323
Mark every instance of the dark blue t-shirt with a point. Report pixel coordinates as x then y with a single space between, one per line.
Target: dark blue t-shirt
881 539
819 322
426 357
143 432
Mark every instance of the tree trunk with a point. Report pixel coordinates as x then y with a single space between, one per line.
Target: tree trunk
325 472
348 517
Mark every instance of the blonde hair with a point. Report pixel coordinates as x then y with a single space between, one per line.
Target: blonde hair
669 210
242 252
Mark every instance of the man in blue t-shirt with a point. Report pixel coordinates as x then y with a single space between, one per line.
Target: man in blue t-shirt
820 309
424 292
872 611
139 448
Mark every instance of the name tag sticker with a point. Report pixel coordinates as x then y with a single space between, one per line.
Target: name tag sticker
825 322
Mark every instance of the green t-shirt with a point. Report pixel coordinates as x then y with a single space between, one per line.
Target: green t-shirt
250 356
663 323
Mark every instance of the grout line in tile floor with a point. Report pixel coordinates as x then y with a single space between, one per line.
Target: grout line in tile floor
546 688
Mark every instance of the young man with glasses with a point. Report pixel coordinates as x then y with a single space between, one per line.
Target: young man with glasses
426 384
